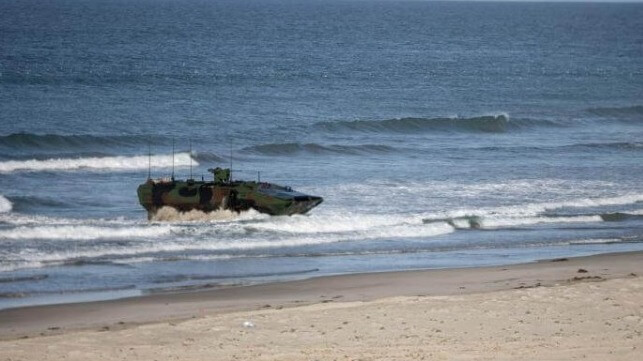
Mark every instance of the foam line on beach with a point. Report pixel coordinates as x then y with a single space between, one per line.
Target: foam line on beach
97 163
516 222
153 243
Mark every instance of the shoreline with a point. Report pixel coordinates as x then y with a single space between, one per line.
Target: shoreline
125 313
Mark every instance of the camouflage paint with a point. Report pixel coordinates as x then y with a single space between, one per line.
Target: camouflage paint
222 193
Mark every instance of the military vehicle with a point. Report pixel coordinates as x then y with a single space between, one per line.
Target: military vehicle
223 193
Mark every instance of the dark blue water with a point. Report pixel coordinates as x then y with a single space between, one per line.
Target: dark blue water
440 135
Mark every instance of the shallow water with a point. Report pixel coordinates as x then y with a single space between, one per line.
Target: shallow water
439 135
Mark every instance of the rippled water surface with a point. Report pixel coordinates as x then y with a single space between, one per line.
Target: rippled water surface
439 134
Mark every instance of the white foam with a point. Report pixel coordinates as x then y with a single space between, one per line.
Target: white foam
97 163
332 223
439 196
8 266
5 205
596 241
397 232
80 232
406 231
207 237
19 219
169 214
513 222
535 209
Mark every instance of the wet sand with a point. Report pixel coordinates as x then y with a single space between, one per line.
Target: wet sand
577 308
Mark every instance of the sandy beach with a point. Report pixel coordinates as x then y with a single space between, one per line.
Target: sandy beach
588 308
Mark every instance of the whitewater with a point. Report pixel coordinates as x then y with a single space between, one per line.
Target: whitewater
440 134
115 163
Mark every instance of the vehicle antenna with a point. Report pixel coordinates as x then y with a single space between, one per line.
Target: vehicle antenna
230 140
149 159
190 158
258 176
172 158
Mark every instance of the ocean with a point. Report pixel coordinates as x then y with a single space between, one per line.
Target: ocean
440 134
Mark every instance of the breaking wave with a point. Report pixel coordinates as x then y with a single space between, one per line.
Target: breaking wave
527 221
169 214
82 232
21 219
535 213
206 157
96 163
224 234
535 209
483 124
5 204
475 222
313 148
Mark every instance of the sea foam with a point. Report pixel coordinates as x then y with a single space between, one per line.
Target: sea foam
80 232
5 205
169 214
97 163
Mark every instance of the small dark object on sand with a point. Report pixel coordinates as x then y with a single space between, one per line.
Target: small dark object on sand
559 260
585 278
582 270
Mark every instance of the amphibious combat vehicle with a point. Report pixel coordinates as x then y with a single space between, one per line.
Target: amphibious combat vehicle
223 193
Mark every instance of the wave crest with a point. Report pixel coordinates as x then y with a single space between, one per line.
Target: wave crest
483 124
96 163
5 205
313 148
71 141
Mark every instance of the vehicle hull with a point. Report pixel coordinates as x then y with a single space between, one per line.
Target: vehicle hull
236 196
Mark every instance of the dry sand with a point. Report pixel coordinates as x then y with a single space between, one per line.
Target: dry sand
538 311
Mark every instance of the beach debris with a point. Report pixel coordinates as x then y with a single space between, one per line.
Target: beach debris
582 270
589 278
560 260
522 286
248 324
